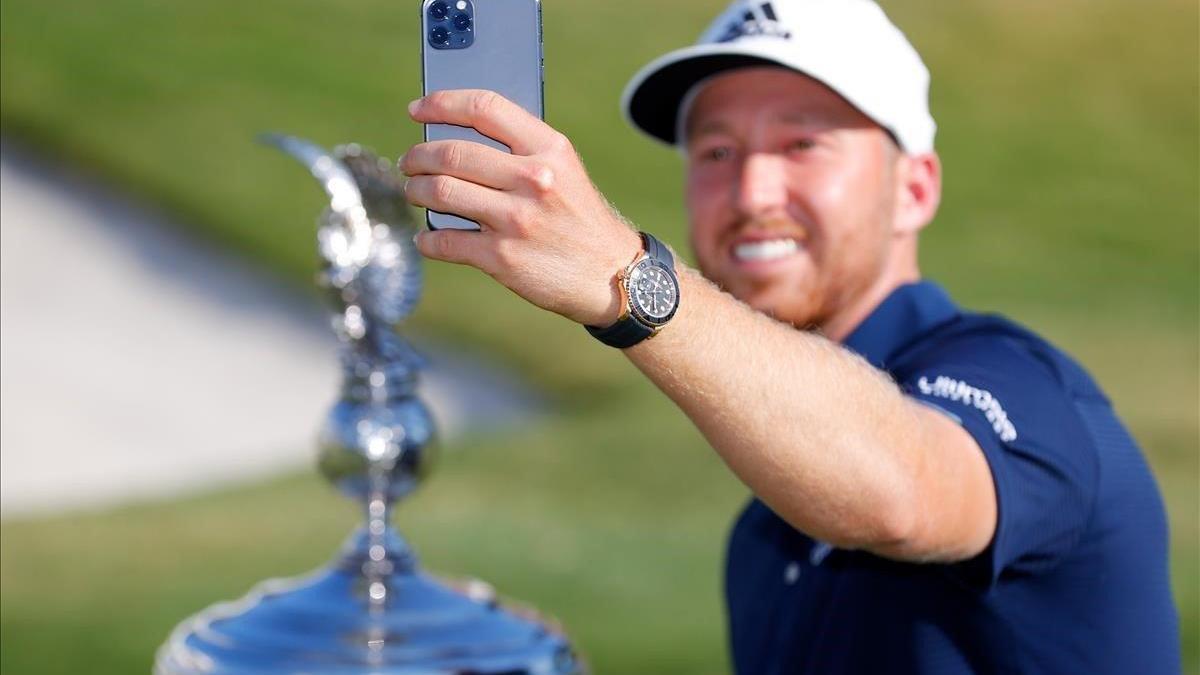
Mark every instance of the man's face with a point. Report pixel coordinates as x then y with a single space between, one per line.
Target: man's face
790 191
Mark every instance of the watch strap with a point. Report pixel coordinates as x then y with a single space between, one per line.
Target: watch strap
658 250
625 333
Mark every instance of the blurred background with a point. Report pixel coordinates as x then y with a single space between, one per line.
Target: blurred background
166 366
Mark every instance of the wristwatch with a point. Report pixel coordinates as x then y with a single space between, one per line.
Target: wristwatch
649 297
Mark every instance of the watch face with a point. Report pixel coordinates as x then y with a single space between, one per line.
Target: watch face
653 292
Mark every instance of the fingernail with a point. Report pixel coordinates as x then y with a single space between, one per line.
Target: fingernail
412 107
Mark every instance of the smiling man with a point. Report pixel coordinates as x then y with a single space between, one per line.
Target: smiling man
935 491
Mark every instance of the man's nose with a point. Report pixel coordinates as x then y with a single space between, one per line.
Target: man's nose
762 186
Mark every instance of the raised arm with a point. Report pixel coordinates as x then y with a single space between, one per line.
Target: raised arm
827 441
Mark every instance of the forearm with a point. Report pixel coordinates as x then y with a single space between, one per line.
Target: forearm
827 441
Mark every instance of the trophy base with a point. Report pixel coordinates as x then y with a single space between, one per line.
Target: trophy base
350 619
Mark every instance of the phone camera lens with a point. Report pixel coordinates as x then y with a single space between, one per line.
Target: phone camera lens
439 10
462 21
439 36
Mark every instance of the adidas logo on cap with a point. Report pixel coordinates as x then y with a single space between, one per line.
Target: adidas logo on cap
756 21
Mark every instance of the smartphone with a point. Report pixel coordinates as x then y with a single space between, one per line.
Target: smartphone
480 44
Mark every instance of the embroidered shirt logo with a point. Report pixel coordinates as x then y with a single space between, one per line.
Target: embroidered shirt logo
755 22
956 390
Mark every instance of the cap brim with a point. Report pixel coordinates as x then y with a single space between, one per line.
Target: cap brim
651 100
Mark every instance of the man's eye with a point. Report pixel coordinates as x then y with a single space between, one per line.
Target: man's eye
801 145
718 154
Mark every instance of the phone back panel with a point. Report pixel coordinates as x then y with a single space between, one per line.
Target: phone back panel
506 58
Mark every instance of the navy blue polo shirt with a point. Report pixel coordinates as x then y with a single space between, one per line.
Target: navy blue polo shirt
1075 579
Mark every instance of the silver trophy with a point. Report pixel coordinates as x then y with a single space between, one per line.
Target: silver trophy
371 610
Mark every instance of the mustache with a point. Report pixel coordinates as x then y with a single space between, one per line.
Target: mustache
771 225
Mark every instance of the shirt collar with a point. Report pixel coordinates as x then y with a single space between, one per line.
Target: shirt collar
908 312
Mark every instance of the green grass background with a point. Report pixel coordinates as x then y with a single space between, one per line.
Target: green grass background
1069 133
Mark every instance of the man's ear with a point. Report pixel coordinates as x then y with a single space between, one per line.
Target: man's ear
918 191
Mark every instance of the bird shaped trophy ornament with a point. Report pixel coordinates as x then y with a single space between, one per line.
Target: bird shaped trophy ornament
372 610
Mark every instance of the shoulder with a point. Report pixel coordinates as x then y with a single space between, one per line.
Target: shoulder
995 350
990 372
1025 403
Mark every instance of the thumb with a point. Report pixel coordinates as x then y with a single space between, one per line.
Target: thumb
462 247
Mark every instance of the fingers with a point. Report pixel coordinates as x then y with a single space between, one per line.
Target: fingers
448 194
462 247
488 113
472 162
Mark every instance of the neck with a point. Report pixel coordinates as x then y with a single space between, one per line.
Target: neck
839 326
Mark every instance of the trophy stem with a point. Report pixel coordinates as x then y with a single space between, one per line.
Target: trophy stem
377 569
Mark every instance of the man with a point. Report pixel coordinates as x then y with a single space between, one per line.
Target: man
936 491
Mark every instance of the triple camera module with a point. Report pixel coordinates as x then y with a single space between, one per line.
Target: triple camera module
451 24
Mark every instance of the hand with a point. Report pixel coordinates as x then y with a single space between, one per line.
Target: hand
547 232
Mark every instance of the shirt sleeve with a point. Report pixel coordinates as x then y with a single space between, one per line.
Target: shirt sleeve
1042 460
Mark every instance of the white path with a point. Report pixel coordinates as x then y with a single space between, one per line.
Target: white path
136 363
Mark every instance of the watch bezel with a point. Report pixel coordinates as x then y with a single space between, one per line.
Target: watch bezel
631 298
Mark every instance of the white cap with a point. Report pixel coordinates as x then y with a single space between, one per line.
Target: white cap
849 45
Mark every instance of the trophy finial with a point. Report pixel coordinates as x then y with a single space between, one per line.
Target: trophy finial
378 438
